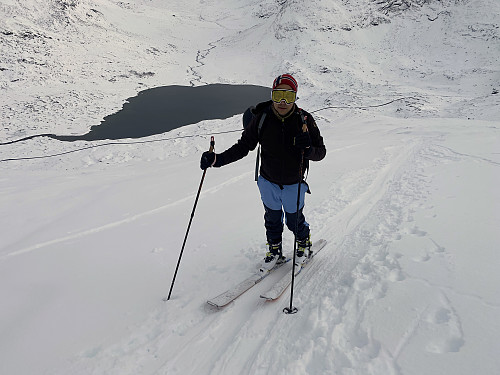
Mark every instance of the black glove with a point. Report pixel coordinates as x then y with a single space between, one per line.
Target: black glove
302 141
207 160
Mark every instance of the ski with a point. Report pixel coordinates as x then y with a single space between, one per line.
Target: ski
281 285
231 294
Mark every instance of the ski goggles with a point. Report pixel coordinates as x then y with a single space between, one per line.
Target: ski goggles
288 96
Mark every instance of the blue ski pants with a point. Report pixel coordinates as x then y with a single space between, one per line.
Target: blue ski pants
280 201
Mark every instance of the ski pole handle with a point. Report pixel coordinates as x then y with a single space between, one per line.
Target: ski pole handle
212 144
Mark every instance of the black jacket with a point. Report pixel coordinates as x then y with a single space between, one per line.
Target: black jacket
280 159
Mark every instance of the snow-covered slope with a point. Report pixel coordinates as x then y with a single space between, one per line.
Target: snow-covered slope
406 96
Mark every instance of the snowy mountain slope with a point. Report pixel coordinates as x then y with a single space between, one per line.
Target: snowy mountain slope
406 196
64 61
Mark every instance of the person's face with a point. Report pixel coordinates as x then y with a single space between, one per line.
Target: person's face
282 107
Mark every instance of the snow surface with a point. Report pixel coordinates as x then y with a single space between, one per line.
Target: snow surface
407 195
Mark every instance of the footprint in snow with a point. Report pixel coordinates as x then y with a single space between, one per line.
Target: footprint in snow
446 327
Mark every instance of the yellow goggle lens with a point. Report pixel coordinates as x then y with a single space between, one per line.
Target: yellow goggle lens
287 95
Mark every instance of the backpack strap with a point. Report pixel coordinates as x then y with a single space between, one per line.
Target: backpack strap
302 117
306 169
259 130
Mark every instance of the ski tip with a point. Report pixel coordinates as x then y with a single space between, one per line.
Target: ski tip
210 303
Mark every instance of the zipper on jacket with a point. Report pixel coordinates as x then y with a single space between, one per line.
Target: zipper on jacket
284 147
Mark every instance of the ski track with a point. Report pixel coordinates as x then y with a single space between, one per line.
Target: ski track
128 220
347 270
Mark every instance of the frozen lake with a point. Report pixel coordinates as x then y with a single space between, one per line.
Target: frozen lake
162 109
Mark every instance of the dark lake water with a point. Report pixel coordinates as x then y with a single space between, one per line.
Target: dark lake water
161 109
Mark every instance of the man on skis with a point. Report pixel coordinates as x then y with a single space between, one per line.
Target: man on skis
286 151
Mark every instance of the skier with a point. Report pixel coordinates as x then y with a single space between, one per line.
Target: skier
283 141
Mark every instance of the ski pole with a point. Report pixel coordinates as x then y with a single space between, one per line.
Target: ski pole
292 309
212 149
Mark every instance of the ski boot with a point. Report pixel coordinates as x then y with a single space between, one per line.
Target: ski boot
273 257
303 251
